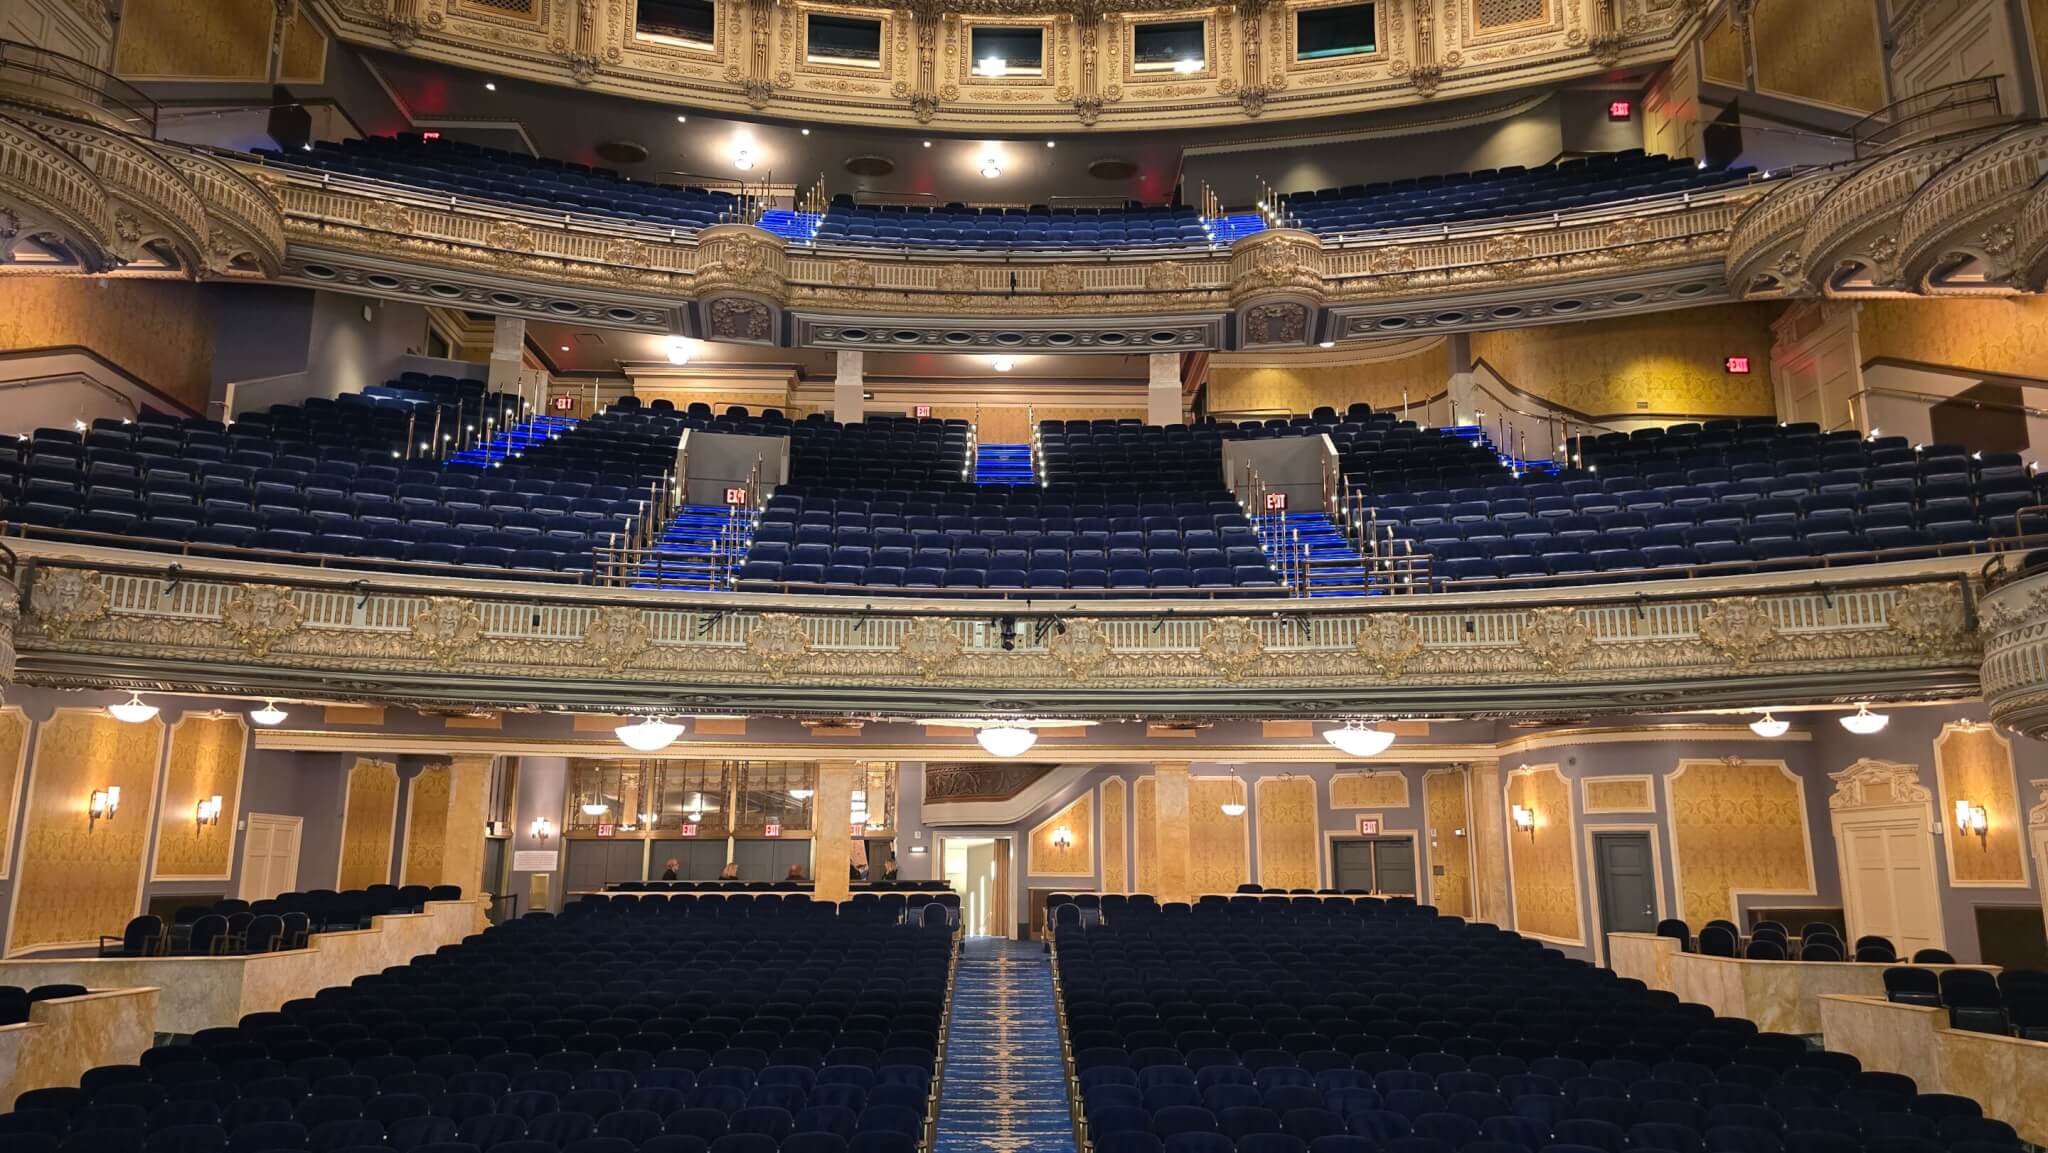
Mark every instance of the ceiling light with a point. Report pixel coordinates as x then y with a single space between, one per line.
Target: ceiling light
1327 344
1185 67
269 714
682 120
678 349
990 168
743 160
565 348
650 735
1769 726
1359 739
596 809
490 86
806 131
1002 364
1233 807
1863 722
1052 144
927 144
800 794
132 711
1006 740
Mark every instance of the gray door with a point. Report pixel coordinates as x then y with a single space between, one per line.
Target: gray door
1625 871
697 859
769 859
1394 865
592 864
1352 865
494 871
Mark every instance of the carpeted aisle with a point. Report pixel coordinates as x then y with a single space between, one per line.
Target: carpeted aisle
1004 1090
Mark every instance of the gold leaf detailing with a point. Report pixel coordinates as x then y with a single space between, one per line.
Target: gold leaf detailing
1168 276
447 628
1388 641
66 601
1930 617
385 216
1081 649
262 616
1554 636
930 645
1739 628
615 636
779 642
1232 646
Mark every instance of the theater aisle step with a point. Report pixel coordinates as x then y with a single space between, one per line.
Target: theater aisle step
1003 464
688 553
1005 1089
1331 564
509 442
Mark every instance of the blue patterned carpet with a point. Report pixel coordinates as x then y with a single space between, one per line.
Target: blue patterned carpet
1005 1089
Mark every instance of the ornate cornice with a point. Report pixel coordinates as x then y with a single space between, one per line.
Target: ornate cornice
757 63
266 629
2014 622
1875 784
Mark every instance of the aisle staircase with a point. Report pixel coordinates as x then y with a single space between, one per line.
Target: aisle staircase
512 440
1227 230
1005 1083
699 549
1003 464
1309 547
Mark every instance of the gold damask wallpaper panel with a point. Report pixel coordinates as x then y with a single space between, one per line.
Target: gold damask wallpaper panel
1290 838
1974 763
2008 336
1670 361
1219 848
1618 795
14 727
1144 832
1047 858
75 882
426 826
1387 790
1545 864
1116 871
207 755
1736 827
195 39
1448 818
1824 51
369 820
1724 55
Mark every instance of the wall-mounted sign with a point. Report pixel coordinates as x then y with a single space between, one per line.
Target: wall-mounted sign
1736 365
562 403
689 829
771 830
535 860
1276 502
860 829
923 411
604 830
1620 109
1368 826
736 495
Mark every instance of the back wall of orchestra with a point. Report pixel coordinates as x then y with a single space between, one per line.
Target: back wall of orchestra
1565 833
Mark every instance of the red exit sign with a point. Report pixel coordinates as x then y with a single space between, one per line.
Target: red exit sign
923 411
688 830
1276 502
1620 109
736 496
562 403
1736 365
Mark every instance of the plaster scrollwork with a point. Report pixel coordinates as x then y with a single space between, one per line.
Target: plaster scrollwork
1167 276
1388 641
262 615
2037 817
64 601
779 643
1554 636
616 636
1233 646
448 628
930 645
10 616
1872 783
1740 628
1931 617
1081 648
741 258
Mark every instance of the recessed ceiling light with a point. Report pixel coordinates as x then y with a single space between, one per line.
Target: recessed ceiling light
990 168
565 348
682 120
927 144
1052 144
1002 364
807 132
743 160
490 86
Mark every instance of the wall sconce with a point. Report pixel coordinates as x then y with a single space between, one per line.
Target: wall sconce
1524 818
1971 818
1062 838
207 812
102 806
541 829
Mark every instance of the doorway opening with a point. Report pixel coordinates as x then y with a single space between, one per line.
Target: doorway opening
978 868
1380 865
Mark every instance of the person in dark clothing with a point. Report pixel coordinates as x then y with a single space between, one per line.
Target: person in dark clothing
670 873
889 868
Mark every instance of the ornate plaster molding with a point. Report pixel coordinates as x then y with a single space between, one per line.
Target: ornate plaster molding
1874 784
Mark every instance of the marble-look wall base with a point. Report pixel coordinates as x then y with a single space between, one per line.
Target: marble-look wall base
65 1036
2007 1076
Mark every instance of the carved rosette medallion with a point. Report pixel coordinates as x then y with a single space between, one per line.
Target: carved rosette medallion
779 643
261 616
447 628
616 636
386 216
1739 628
509 240
1554 637
1167 276
66 600
930 645
1232 646
1081 649
1388 641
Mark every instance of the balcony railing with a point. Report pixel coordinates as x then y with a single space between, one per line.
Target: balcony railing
26 66
1964 104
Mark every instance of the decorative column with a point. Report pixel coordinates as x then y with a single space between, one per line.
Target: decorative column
586 52
1605 38
927 17
849 387
1428 70
1251 23
1459 388
1489 846
760 82
1087 17
1162 389
469 796
508 351
831 820
402 22
2037 837
1170 831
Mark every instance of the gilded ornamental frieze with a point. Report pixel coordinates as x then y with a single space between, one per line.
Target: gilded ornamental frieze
93 623
923 71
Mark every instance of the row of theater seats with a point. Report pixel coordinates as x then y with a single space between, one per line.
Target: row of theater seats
1064 537
2014 1003
959 226
458 169
595 1034
1333 1025
287 921
1770 941
1511 191
860 888
927 909
16 1003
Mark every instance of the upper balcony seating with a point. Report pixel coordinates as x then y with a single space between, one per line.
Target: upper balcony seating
457 169
959 226
1499 192
1121 451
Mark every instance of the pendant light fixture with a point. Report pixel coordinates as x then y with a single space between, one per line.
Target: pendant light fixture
132 711
649 735
1769 726
1006 740
1864 723
1358 739
268 715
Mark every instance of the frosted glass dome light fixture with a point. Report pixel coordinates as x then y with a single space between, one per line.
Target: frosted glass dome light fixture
649 735
1002 364
268 715
991 168
1359 739
596 809
678 349
132 711
1006 740
1769 726
1863 722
